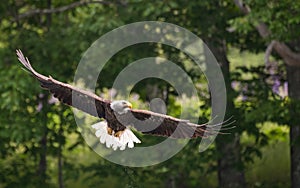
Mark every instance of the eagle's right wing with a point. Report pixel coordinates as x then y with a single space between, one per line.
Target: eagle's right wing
85 101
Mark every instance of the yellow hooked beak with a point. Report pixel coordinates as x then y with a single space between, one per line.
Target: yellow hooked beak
129 105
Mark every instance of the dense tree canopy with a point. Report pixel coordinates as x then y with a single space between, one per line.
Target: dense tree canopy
255 42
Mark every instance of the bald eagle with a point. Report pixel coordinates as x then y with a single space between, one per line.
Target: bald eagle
118 116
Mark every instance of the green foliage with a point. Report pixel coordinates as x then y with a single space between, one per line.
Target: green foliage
55 43
282 18
17 171
257 103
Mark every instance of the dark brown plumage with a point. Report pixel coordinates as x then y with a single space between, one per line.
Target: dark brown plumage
144 121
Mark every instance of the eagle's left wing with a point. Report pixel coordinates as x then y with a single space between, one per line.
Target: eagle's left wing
153 123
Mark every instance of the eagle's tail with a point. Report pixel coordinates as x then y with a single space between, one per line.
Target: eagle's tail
126 137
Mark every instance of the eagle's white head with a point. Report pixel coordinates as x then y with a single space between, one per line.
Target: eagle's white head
121 106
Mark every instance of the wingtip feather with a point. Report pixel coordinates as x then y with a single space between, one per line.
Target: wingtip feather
24 60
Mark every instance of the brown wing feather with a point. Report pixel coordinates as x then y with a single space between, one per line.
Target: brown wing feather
82 100
166 125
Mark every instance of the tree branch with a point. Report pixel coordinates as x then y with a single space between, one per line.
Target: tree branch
244 8
290 58
62 8
268 52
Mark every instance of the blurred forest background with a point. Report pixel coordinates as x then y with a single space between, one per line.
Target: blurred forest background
256 42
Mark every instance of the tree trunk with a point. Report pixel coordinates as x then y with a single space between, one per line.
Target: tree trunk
293 74
49 16
228 147
42 168
60 159
43 159
170 182
229 174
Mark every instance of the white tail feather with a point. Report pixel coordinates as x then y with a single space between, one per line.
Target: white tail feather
126 138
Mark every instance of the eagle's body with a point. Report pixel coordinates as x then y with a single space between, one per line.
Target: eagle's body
118 115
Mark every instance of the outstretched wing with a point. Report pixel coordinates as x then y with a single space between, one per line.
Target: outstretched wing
82 100
153 123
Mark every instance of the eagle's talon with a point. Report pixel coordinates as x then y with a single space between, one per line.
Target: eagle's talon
109 131
118 134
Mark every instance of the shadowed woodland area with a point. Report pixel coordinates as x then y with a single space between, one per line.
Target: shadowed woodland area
256 43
